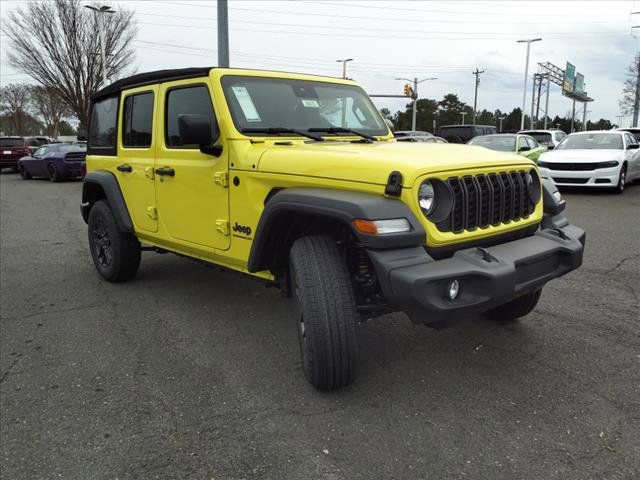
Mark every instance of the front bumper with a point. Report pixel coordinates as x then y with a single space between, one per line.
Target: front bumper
602 177
416 283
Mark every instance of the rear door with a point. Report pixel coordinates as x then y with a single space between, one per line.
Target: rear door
136 155
192 194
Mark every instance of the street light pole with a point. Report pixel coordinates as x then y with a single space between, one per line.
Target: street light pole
344 65
103 56
526 74
416 82
463 114
223 34
501 119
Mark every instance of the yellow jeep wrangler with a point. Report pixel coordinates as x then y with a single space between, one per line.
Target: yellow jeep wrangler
296 179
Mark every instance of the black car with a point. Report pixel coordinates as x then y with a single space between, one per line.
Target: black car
464 133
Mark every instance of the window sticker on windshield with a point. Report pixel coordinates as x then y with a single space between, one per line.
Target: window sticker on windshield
310 103
246 104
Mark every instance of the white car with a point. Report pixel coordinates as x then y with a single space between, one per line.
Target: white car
549 138
600 159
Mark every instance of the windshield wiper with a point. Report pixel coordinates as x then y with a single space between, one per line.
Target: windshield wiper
344 130
276 130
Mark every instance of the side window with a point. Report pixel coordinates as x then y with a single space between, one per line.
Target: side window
560 136
137 120
186 100
532 142
103 127
522 142
630 139
40 152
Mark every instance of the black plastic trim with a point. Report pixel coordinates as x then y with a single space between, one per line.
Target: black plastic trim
109 185
340 205
551 205
416 283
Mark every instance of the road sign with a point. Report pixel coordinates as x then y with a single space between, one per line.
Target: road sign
569 78
578 86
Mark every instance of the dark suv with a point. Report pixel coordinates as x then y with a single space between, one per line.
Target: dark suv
11 150
464 133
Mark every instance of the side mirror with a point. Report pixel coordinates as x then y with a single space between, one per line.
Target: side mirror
196 129
524 149
633 146
551 146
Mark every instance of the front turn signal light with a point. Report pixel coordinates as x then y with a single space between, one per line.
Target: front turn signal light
382 227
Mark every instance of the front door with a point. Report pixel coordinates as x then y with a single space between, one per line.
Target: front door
136 155
191 186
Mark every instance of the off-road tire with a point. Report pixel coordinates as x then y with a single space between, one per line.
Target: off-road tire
619 188
116 255
52 173
325 311
23 173
515 309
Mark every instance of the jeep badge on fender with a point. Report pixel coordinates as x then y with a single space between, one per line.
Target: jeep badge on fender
348 222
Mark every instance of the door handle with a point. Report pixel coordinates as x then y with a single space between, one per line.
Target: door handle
168 171
124 168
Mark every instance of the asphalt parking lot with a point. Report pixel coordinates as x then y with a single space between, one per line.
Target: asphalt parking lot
188 372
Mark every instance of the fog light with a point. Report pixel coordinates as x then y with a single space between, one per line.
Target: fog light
454 289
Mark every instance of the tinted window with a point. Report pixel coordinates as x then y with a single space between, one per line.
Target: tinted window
11 142
137 120
103 126
72 148
190 100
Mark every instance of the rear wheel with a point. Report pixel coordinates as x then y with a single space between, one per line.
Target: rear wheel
53 174
23 173
116 255
515 309
325 312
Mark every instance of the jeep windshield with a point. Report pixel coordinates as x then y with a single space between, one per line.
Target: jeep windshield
276 106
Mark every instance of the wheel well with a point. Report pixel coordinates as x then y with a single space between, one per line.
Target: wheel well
91 193
287 227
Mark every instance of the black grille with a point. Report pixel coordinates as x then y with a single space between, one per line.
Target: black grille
572 167
483 200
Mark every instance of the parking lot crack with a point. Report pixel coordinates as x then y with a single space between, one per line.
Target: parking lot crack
620 263
14 362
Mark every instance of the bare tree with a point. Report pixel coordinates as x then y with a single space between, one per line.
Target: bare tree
629 89
48 104
56 43
15 102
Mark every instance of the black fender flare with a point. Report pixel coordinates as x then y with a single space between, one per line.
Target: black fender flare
341 205
108 183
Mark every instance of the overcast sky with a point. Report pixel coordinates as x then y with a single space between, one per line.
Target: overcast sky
389 39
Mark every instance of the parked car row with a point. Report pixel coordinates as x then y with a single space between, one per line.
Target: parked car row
41 157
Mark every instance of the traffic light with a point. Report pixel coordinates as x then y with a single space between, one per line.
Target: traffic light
407 90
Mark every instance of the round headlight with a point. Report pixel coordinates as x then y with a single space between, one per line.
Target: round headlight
426 198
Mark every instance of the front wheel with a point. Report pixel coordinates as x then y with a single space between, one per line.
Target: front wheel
116 255
622 180
516 308
53 174
325 312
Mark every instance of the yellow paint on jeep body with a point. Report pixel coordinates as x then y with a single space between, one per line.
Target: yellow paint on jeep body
191 215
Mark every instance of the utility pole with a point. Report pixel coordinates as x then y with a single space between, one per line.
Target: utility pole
416 82
223 34
344 66
501 119
475 97
463 114
573 115
99 19
636 103
526 75
546 102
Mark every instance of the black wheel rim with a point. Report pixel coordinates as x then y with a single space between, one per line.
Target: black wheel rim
101 242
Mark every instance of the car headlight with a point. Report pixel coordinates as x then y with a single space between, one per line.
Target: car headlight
427 198
533 186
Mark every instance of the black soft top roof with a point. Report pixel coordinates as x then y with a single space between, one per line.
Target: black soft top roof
148 78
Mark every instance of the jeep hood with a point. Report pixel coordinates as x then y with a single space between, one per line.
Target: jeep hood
373 162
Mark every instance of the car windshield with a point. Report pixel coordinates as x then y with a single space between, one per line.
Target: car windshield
72 148
259 103
544 138
502 143
592 141
11 142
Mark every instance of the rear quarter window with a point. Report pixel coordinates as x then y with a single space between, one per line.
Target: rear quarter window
103 127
